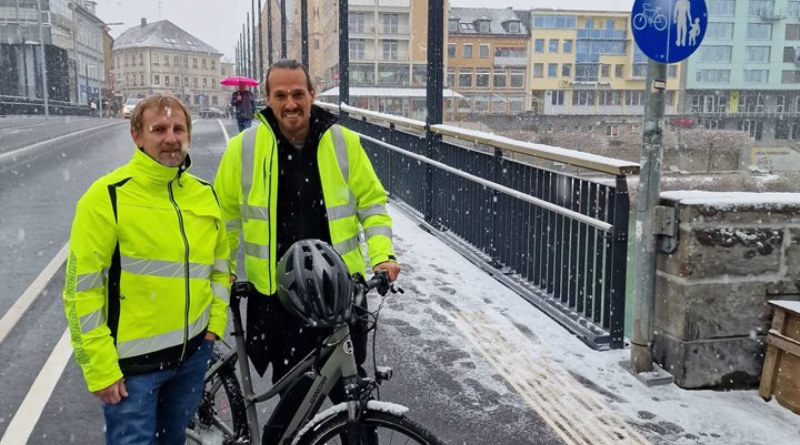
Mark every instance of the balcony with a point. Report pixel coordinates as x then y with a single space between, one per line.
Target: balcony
771 15
511 61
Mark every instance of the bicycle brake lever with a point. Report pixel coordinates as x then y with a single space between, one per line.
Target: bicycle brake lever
396 289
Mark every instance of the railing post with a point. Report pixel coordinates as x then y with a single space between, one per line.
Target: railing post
620 215
344 55
435 77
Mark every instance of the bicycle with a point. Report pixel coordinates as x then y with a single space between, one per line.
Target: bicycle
228 416
650 16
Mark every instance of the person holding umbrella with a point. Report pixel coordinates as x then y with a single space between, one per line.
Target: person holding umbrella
243 100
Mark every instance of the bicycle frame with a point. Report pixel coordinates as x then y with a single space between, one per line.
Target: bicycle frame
339 362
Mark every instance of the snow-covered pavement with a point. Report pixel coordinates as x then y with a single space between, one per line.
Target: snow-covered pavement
584 395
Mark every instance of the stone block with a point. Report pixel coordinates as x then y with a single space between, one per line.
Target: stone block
729 363
711 252
706 311
751 215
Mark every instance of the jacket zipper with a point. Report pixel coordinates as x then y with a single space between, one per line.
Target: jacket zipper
185 266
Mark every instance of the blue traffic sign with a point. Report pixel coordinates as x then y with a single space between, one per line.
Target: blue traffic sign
669 31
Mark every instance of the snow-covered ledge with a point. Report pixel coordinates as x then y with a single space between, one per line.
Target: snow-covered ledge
736 251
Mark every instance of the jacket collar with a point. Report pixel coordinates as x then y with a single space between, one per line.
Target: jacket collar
144 165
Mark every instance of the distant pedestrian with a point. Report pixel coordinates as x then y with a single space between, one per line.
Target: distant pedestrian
245 104
93 107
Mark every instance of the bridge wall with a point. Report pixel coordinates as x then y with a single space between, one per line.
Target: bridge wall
736 251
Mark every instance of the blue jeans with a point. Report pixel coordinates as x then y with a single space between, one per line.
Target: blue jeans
243 123
160 404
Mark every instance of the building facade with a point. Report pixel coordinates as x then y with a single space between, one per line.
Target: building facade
746 74
87 55
587 63
487 61
162 58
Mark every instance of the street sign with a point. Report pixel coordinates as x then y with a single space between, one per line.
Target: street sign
669 31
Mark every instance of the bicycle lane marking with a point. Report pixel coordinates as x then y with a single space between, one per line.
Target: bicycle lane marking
562 402
224 130
18 309
4 157
27 416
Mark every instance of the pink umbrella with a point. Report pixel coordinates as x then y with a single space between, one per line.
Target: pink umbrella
236 80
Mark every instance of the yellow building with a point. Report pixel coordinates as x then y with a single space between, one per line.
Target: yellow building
586 62
487 60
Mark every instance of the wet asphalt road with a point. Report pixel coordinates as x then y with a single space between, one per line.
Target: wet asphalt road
38 191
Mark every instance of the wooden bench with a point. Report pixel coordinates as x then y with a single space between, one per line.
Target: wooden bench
781 373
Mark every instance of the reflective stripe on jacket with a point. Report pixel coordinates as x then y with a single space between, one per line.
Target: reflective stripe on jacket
147 272
246 184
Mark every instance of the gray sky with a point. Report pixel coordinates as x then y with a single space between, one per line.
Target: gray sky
219 23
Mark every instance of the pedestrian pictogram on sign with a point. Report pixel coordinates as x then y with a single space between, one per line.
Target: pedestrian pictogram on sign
669 31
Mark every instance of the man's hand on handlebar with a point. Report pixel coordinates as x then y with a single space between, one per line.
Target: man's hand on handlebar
392 268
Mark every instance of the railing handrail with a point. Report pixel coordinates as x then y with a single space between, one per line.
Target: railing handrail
571 157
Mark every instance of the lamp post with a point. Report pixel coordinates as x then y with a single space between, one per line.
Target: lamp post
45 92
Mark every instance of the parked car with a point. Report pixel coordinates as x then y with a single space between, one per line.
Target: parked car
127 109
212 112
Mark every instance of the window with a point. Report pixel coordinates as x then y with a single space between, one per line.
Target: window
588 24
554 21
752 127
609 98
166 60
389 22
793 9
141 62
141 79
538 46
639 70
757 54
760 7
553 46
176 60
483 26
391 49
451 50
465 79
355 21
791 54
357 49
790 77
605 70
552 70
713 76
719 31
513 27
451 78
392 74
566 70
721 7
194 62
362 74
500 80
195 82
482 78
156 59
213 64
714 53
619 70
751 103
587 72
756 76
166 80
517 79
538 70
780 104
634 98
792 32
177 80
557 97
467 51
156 79
205 82
783 130
672 71
419 75
452 25
204 64
583 98
567 46
483 51
610 24
612 130
759 31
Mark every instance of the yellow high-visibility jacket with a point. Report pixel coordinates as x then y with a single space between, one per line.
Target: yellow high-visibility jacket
247 186
147 273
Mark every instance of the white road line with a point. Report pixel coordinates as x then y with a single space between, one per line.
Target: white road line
14 153
19 308
224 131
27 416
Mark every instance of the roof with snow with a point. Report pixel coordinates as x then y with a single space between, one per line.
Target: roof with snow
164 35
468 19
387 92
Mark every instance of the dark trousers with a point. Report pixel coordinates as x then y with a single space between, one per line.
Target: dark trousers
243 123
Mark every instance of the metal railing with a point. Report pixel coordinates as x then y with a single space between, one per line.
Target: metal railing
557 238
13 105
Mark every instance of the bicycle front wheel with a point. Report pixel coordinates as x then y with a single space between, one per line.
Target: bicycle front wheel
221 417
388 428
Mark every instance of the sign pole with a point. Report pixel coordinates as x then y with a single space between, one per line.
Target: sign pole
648 195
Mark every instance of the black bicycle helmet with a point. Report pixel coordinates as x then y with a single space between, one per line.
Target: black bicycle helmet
314 284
